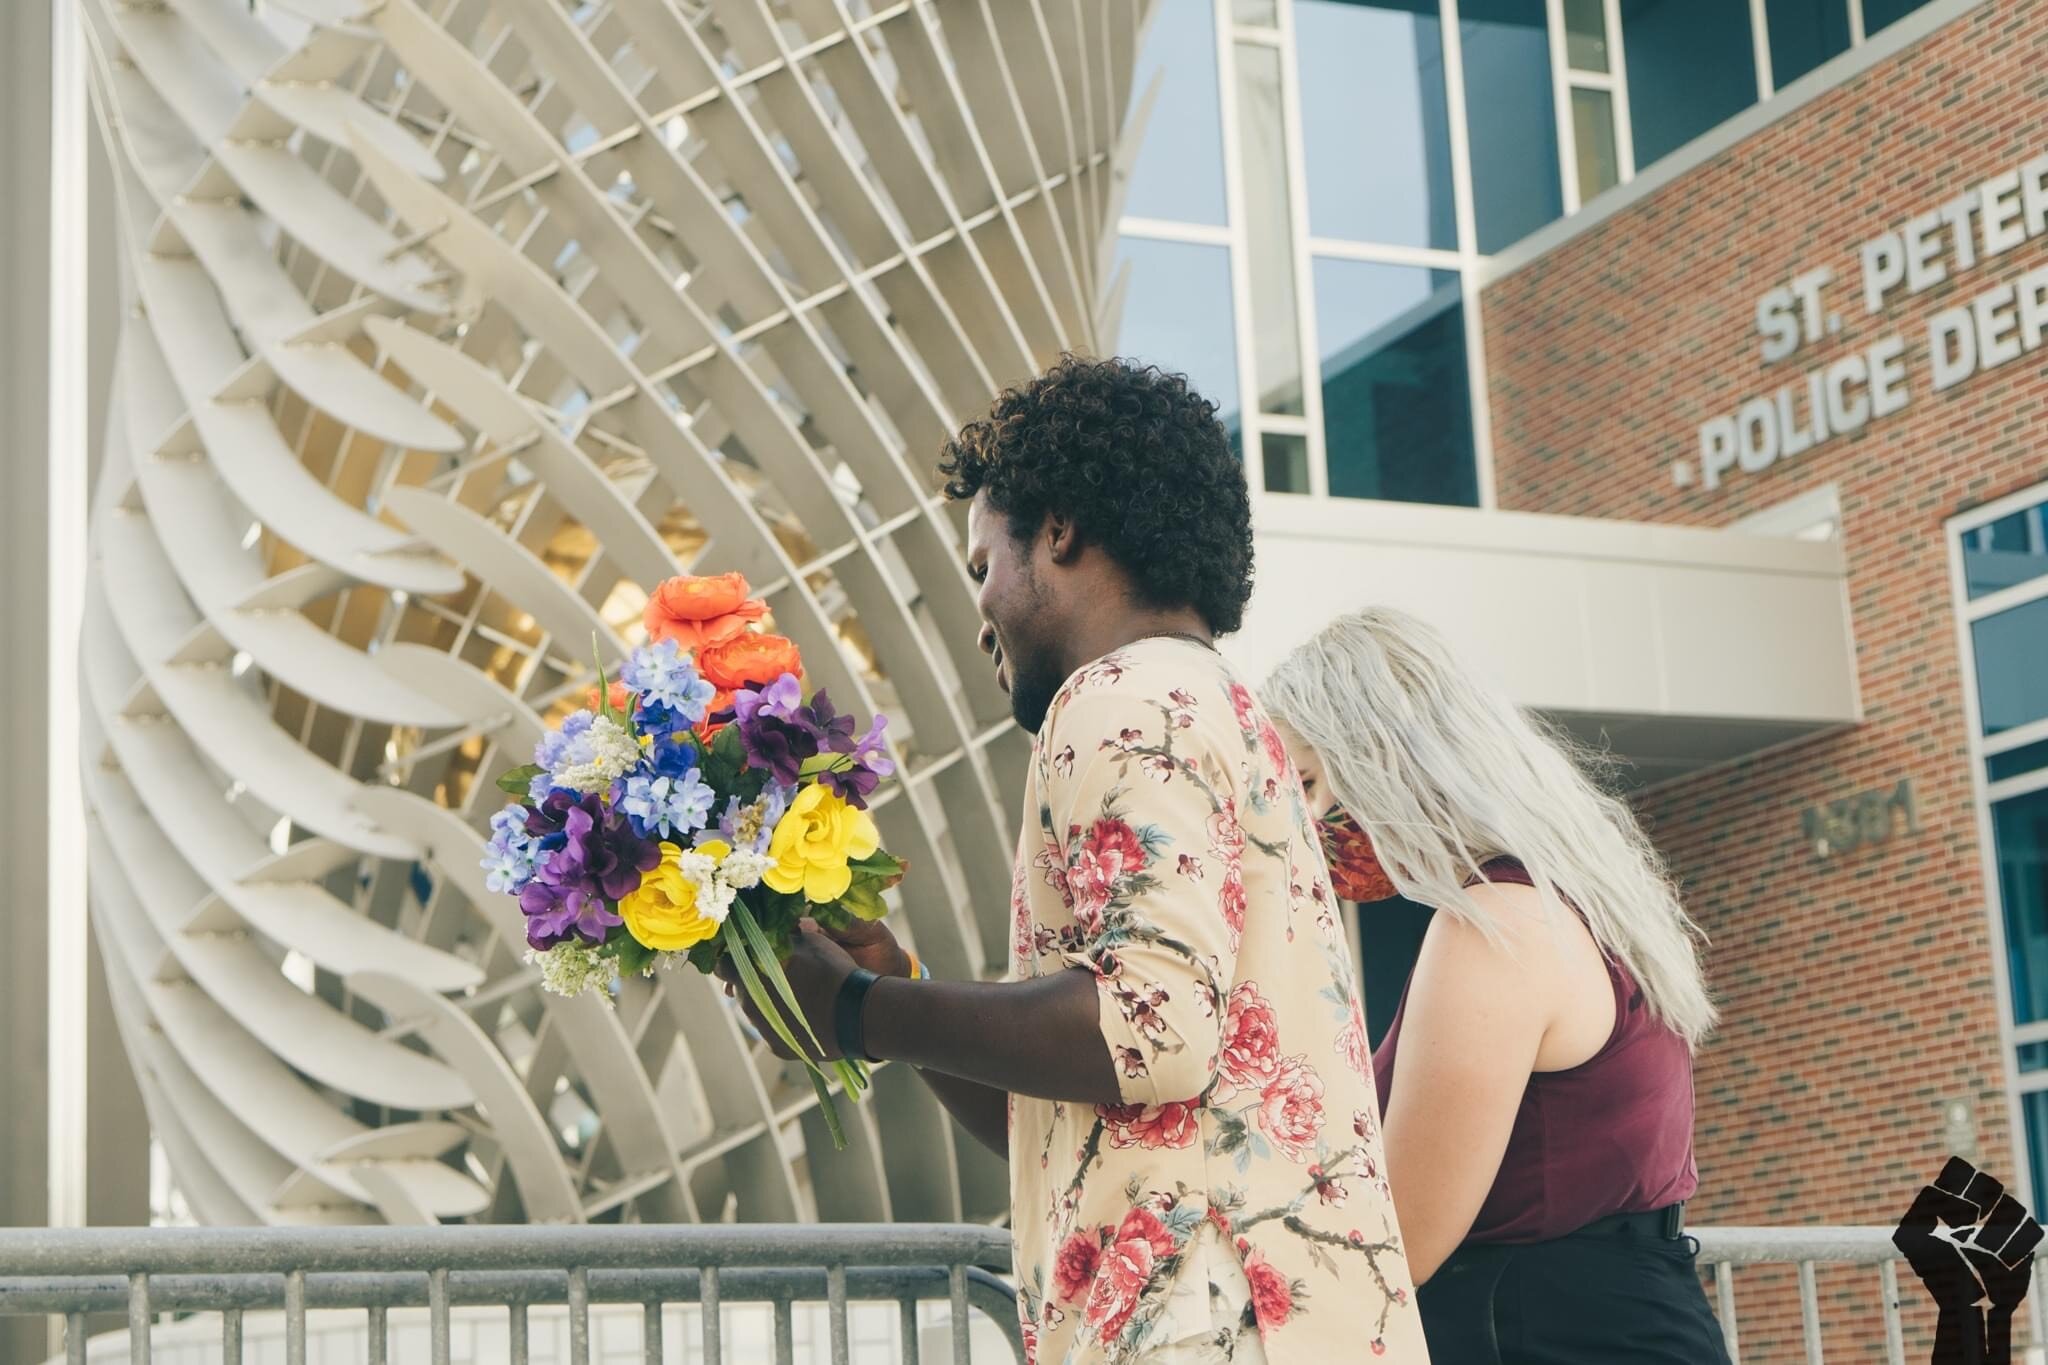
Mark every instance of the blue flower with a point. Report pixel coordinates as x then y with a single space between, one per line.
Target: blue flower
668 806
512 856
750 825
671 695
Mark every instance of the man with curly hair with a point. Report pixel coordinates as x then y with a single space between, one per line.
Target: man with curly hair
1174 1066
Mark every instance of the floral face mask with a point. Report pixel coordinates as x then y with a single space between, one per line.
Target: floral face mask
1355 871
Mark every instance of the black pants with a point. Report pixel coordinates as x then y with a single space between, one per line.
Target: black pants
1587 1299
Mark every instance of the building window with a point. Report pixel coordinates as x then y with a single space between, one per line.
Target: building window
2012 666
1375 124
2001 576
1177 315
1178 174
1805 33
1691 66
1511 114
1396 404
1879 14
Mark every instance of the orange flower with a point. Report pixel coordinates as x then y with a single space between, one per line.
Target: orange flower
748 658
696 611
621 698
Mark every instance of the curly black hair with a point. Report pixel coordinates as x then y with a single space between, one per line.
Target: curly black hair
1137 458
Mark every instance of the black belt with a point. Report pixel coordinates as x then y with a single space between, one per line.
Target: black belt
1666 1224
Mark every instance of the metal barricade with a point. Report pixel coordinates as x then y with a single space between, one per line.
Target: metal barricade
148 1271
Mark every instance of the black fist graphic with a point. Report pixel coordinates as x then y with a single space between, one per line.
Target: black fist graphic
1987 1255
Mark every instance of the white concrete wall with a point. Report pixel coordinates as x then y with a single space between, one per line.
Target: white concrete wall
1745 635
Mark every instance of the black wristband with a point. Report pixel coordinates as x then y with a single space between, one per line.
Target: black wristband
846 1014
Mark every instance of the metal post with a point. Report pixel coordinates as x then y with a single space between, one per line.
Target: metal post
835 1309
1724 1290
295 1317
707 1305
958 1279
437 1313
785 1335
650 1332
74 1339
231 1338
1894 1338
138 1320
579 1316
1809 1312
518 1330
907 1315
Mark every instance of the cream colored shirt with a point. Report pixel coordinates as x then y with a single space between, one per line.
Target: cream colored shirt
1235 1206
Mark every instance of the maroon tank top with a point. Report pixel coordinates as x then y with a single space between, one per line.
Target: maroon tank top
1611 1135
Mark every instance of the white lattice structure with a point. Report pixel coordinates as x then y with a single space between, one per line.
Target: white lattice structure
455 324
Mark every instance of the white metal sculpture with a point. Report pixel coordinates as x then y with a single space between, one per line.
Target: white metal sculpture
454 324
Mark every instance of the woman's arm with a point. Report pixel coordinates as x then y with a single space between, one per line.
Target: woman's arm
1476 1015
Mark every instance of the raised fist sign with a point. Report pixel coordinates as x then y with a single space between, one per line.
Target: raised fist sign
1970 1243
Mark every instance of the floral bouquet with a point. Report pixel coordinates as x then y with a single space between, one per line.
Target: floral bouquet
696 809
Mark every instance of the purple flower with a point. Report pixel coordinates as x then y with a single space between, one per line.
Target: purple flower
593 858
751 825
777 731
854 778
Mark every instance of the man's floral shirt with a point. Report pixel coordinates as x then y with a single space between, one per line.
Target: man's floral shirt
1235 1205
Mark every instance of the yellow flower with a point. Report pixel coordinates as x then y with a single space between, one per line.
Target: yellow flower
663 913
812 843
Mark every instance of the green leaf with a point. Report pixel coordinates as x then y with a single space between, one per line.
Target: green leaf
520 780
818 763
604 689
882 865
743 963
764 953
633 956
704 956
863 900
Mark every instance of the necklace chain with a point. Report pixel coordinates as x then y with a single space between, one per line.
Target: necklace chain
1187 635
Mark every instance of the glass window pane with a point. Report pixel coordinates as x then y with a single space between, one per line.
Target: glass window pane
1377 67
1286 462
1269 233
1879 14
1690 66
1593 141
1512 116
2020 827
1260 13
1397 408
1585 34
1805 33
2010 550
2013 762
1177 315
1178 173
2034 1106
2012 666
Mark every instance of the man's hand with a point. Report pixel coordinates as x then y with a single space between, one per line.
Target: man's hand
816 967
870 944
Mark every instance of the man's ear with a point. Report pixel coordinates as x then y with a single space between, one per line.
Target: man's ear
1062 538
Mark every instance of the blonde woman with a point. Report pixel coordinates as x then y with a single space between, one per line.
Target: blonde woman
1536 1082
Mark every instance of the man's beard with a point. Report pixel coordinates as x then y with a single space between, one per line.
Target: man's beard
1032 688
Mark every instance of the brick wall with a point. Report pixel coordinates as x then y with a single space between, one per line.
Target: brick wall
1858 991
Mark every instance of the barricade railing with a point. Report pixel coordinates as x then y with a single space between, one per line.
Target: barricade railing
150 1271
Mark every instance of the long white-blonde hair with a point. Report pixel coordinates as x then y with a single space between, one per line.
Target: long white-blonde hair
1443 773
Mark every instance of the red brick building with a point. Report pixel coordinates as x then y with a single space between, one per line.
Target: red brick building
1879 998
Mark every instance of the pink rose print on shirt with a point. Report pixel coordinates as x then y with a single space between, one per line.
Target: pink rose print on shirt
1150 1127
1351 1045
1022 926
1029 1331
1272 1295
1073 1269
1109 852
1127 1267
1251 1041
1230 901
1291 1109
1247 709
1276 752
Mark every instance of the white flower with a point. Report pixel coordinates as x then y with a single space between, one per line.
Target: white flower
598 757
714 902
742 868
572 969
698 869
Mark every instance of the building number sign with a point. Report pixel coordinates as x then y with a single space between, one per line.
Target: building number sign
1847 825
